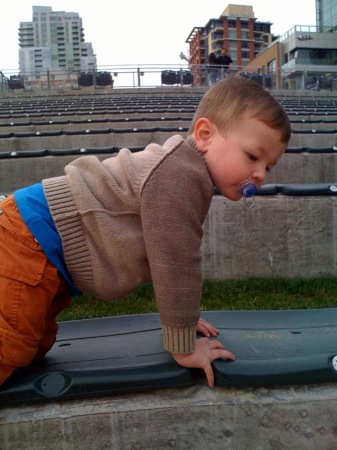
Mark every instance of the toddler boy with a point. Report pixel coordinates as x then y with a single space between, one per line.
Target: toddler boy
106 227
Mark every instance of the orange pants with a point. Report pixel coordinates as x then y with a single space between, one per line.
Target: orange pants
32 293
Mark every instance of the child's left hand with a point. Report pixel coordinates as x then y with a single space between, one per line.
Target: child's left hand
206 328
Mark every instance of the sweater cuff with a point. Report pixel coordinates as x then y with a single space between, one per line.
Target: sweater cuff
179 341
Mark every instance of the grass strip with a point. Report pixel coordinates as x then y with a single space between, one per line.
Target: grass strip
247 294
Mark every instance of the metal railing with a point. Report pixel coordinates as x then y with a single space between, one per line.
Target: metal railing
151 76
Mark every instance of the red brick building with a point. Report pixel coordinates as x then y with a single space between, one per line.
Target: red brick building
237 30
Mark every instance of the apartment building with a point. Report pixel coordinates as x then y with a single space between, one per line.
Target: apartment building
52 47
236 29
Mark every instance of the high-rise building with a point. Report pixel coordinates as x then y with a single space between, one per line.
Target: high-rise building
53 42
237 30
326 15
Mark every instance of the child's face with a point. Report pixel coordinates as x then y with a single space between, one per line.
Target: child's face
245 153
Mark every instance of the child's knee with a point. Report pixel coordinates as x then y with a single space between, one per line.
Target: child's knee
16 351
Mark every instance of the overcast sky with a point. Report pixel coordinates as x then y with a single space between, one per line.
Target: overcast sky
144 31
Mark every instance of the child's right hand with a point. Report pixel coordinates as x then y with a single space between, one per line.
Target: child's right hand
206 351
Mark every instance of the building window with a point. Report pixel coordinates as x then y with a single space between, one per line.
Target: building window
233 54
319 56
264 27
245 54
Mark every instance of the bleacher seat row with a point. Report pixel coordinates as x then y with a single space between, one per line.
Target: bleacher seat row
19 134
114 355
75 121
115 149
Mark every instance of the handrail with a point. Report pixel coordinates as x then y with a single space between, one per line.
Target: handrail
152 75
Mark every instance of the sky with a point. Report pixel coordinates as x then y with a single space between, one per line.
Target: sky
136 32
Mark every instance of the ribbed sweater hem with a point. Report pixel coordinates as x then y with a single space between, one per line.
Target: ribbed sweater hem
69 226
179 341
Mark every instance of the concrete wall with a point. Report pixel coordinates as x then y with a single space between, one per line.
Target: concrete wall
292 168
313 140
64 141
196 418
304 168
134 137
279 236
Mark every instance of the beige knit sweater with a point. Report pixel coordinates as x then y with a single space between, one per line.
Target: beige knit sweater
134 218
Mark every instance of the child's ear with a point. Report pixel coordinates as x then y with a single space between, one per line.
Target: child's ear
203 132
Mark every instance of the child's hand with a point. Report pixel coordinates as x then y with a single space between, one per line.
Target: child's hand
206 351
206 328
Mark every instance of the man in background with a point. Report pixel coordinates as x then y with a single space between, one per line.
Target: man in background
225 62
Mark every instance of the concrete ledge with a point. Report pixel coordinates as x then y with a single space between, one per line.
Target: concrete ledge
303 167
62 141
16 173
279 236
133 138
34 128
313 140
294 417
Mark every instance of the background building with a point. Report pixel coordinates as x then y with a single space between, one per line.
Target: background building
326 15
237 30
305 57
52 47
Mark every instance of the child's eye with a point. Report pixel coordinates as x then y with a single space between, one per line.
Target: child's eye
252 157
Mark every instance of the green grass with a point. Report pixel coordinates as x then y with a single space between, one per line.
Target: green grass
249 294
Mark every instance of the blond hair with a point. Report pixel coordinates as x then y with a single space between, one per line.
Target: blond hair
235 98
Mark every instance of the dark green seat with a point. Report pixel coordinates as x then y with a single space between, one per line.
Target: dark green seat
125 354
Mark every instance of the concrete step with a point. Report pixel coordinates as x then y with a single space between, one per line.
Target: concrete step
140 135
24 167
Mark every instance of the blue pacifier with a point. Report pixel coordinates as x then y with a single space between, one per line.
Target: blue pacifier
248 193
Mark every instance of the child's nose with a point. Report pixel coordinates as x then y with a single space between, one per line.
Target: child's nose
260 174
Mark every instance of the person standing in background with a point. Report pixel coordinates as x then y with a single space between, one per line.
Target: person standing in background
225 62
213 69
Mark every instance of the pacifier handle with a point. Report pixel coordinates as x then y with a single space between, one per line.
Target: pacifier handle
248 193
